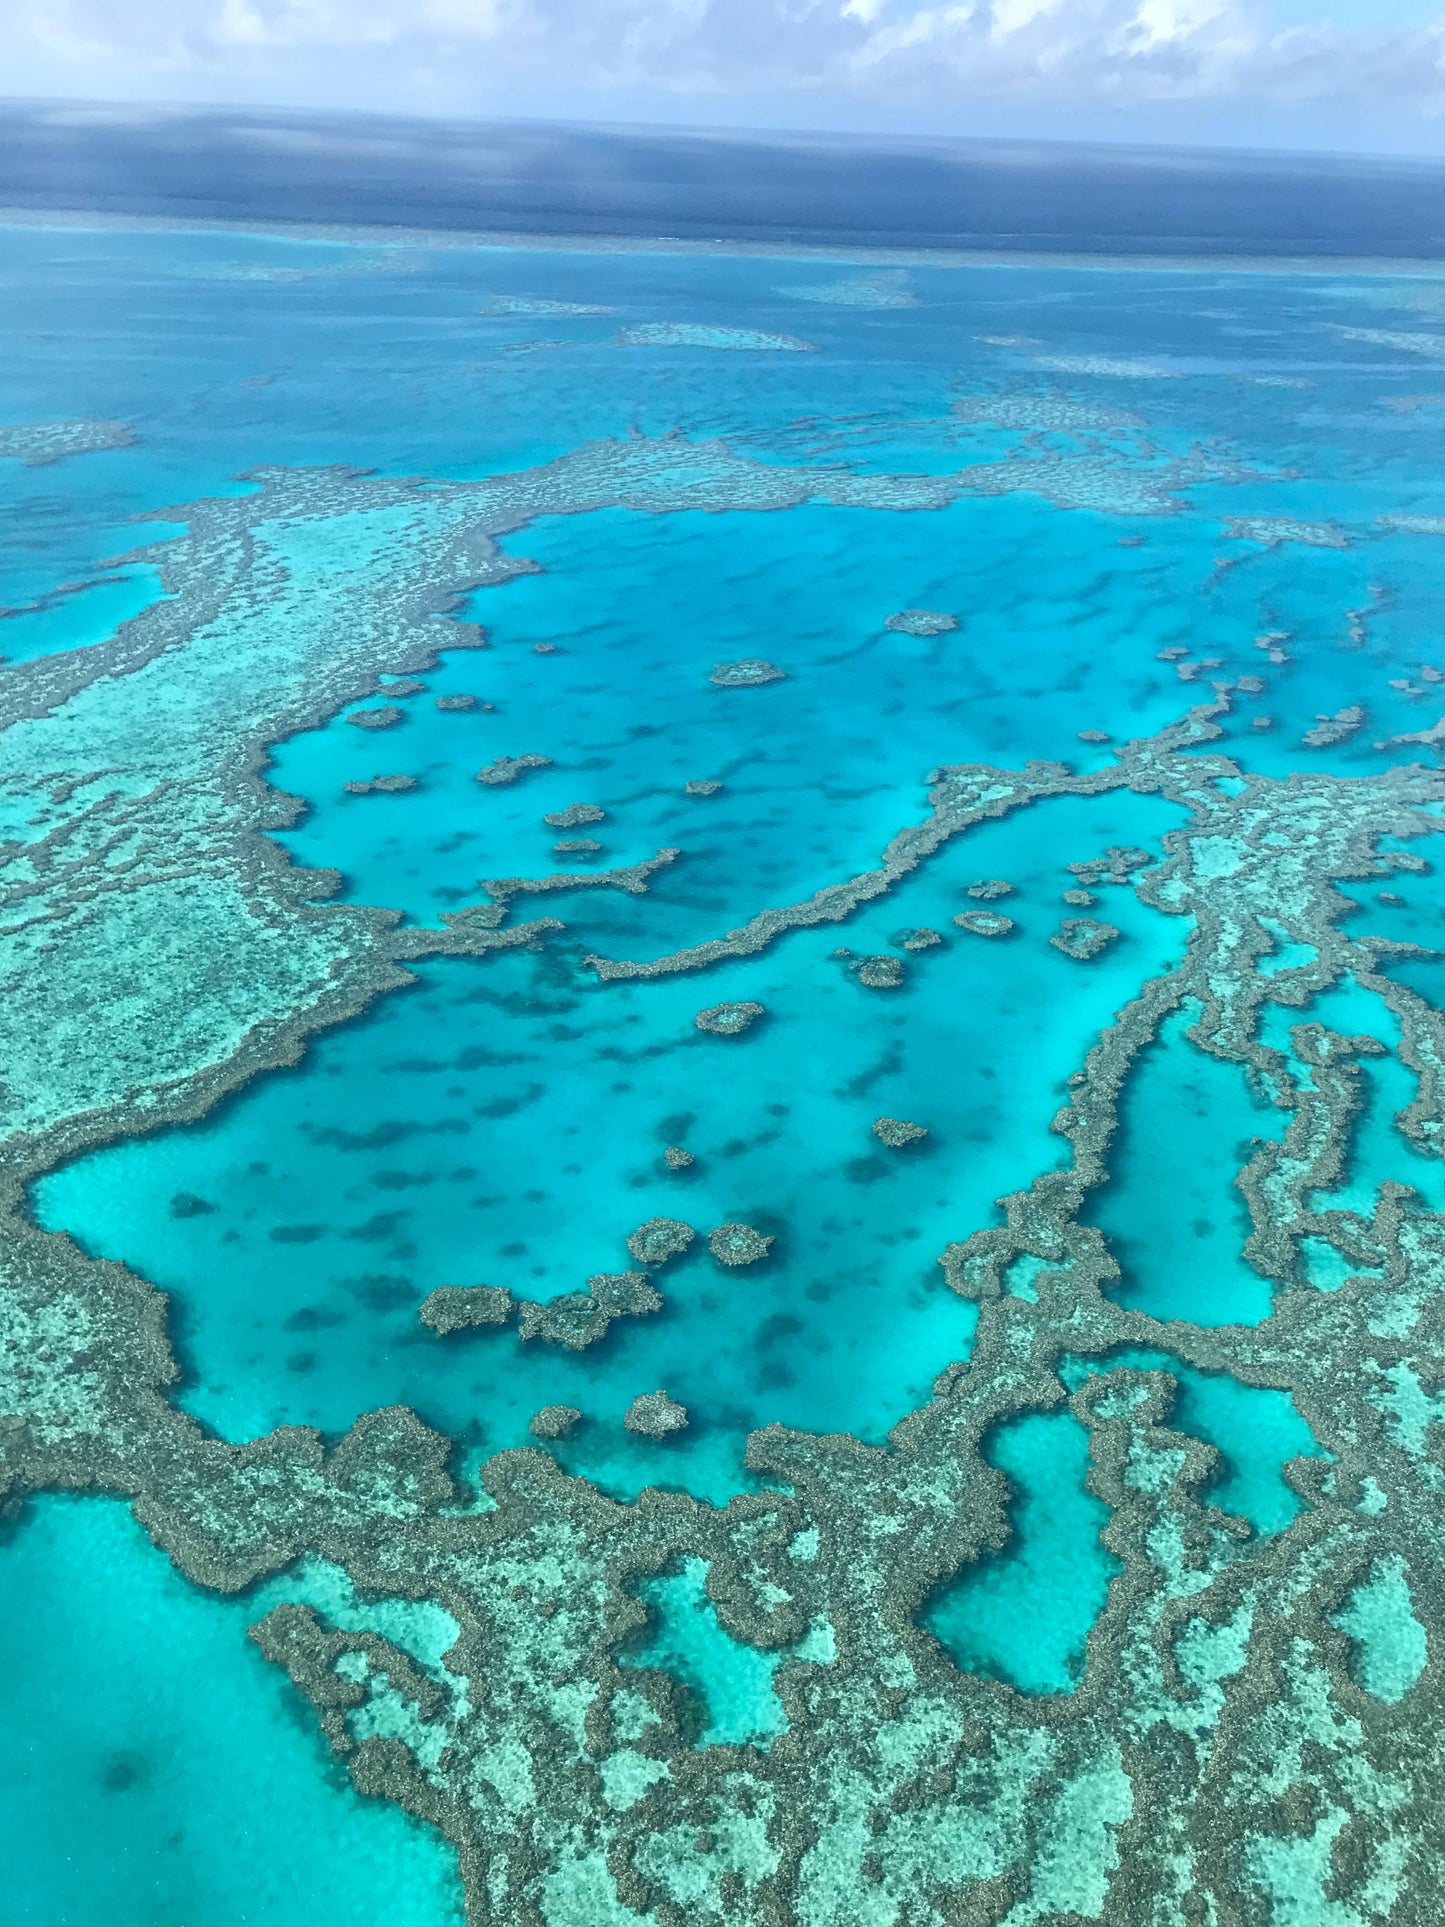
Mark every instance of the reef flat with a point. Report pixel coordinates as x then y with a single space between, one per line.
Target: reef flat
634 1370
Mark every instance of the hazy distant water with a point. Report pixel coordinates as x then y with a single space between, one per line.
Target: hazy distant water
235 164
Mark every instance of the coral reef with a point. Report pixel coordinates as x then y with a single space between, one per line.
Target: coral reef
653 1415
574 817
1272 531
751 672
1339 728
1230 1750
577 846
1083 937
990 889
381 786
456 704
537 305
630 878
578 1319
554 1422
507 769
921 622
1050 414
677 1158
984 923
921 938
38 443
879 973
701 786
738 1244
728 1020
659 1239
698 334
888 289
453 1308
1117 865
384 718
895 1132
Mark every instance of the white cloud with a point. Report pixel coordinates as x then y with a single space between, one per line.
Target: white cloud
923 56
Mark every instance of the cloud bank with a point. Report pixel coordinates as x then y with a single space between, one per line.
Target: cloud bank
891 63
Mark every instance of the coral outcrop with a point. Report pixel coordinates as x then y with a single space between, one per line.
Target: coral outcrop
454 1308
659 1239
921 622
507 769
728 1020
653 1415
738 1244
748 673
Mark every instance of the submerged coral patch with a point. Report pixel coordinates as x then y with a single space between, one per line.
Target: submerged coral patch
749 673
698 334
738 1244
921 622
729 1020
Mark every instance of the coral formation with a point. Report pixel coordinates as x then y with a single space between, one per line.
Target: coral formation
507 769
990 889
921 938
748 673
453 1308
895 1132
578 1319
1232 1749
458 704
1329 730
577 846
1083 937
554 1422
984 923
384 718
921 622
728 1020
659 1239
701 786
381 785
574 816
738 1244
630 878
37 443
653 1415
677 1158
698 334
879 973
1272 530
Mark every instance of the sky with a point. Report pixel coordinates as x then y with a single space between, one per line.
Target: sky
1346 75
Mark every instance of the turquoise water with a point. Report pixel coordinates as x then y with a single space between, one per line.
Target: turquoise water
1023 1615
1175 1222
503 1120
156 1770
1255 1429
733 1701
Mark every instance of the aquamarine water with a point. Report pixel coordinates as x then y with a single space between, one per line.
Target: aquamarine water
1205 466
